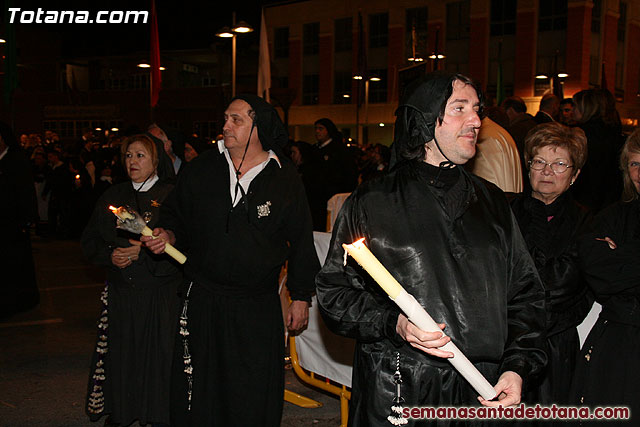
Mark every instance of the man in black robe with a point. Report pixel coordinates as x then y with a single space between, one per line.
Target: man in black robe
451 240
333 170
238 212
18 287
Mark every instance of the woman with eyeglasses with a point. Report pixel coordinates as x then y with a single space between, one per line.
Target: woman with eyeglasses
608 370
551 222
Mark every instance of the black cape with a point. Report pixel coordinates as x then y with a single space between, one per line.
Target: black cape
461 255
608 368
553 245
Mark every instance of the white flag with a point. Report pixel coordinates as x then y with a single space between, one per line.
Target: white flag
264 64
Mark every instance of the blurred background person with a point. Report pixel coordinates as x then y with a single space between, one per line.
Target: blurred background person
497 159
41 172
551 223
608 370
304 157
548 110
374 162
565 114
59 187
173 144
18 287
336 171
520 123
600 184
130 381
194 146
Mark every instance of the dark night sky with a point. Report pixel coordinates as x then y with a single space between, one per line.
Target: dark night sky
182 24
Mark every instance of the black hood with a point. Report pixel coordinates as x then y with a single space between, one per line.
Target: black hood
271 130
420 107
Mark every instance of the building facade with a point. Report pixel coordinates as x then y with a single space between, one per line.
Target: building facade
511 47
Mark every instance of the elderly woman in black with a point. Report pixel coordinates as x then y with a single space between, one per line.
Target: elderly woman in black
608 370
551 221
131 366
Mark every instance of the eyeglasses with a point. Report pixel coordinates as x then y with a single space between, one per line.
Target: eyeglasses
556 167
567 110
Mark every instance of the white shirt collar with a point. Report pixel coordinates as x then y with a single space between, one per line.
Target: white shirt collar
147 185
223 149
247 177
324 144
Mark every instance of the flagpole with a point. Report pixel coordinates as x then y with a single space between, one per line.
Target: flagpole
155 76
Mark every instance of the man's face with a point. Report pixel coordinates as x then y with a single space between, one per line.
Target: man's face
237 125
458 131
166 142
567 112
322 134
158 133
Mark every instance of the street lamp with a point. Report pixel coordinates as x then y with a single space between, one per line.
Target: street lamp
436 55
226 32
366 105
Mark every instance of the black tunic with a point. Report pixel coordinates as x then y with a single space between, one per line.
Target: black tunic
460 253
236 336
18 287
142 315
551 232
608 369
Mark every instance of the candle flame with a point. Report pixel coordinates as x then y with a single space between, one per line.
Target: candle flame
113 209
359 242
77 176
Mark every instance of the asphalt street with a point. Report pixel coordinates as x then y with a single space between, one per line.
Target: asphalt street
45 353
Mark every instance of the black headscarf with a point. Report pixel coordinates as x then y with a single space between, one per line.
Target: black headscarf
422 104
271 130
333 131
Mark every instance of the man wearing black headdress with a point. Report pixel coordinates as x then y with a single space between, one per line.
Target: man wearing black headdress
450 239
333 170
238 212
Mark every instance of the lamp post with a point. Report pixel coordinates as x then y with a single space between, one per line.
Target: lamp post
436 55
359 129
226 32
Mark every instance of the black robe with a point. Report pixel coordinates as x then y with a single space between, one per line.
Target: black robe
608 369
18 287
460 253
553 245
235 254
141 315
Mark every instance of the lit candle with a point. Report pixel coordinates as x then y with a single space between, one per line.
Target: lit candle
131 221
417 315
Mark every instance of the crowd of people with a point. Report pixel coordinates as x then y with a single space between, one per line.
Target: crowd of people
504 226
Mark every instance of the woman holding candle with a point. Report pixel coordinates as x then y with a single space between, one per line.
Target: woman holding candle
131 367
551 222
608 368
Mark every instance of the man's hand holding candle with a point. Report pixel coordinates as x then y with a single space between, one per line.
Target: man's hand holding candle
158 242
509 389
429 342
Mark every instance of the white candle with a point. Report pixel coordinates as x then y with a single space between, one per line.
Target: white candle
417 315
138 225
